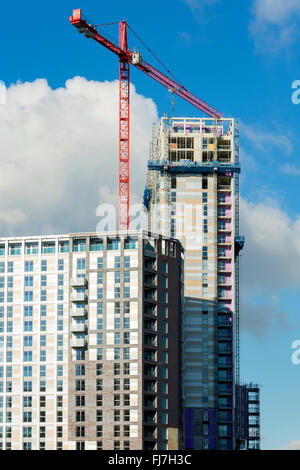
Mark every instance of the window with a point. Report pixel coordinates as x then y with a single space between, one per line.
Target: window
99 431
28 281
8 356
99 369
126 292
43 295
100 293
10 267
96 244
60 265
113 244
43 355
99 354
80 416
117 322
116 400
116 369
60 371
130 244
100 263
27 356
117 431
80 432
99 400
64 246
42 401
116 415
28 296
116 384
117 262
126 399
79 245
15 248
99 385
44 265
79 400
42 386
126 384
27 416
80 385
43 310
126 415
126 261
99 415
27 341
27 387
81 263
48 247
60 294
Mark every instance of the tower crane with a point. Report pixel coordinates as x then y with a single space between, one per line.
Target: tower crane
127 58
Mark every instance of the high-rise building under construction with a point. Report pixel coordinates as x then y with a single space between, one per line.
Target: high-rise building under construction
192 194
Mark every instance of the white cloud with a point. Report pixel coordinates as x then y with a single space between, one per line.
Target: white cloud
291 169
275 24
272 251
270 263
59 154
261 318
197 6
262 139
293 445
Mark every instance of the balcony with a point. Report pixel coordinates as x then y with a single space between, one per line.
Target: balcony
224 267
224 281
78 328
79 282
78 343
79 297
224 254
78 313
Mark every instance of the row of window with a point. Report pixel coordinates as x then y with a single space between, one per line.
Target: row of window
79 245
81 264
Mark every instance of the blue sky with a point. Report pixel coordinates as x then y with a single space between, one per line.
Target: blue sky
241 58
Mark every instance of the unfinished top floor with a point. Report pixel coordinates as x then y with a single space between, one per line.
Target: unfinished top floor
198 140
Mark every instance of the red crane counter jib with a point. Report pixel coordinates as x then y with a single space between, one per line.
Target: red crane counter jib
126 57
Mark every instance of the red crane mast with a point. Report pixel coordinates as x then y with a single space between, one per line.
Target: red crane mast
127 57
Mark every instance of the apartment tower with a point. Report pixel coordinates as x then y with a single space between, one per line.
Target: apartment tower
90 342
192 194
